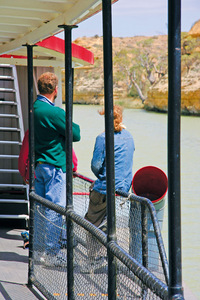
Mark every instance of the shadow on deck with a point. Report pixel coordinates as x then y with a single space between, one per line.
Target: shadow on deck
14 266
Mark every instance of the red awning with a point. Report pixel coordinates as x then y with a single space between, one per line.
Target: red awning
57 44
50 52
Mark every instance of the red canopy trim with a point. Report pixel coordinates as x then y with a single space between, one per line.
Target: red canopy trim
57 44
12 56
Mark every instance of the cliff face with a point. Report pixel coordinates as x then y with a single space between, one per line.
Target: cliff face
89 81
157 98
190 94
195 30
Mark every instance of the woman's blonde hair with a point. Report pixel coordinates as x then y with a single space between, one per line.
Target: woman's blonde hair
117 114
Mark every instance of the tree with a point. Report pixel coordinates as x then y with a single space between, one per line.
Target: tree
190 53
140 67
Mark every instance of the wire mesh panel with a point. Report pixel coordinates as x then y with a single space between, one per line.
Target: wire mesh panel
49 252
129 235
90 272
90 254
128 226
81 195
129 286
122 222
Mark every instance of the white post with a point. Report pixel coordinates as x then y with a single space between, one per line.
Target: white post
58 72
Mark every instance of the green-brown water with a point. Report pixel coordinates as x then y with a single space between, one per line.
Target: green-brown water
149 131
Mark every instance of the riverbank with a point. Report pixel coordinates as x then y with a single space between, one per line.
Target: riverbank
124 102
131 103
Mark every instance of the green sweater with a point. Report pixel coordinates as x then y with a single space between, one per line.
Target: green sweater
49 125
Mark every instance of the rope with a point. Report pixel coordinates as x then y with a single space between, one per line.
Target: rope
48 219
80 193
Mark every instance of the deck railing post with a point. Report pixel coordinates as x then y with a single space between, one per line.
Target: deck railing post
31 152
145 258
174 107
109 135
31 117
69 140
144 220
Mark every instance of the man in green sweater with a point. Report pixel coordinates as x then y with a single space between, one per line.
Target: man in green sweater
50 159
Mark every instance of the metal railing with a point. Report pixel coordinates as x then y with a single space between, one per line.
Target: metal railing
141 264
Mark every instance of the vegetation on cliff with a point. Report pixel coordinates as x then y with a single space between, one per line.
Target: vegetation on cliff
140 71
157 96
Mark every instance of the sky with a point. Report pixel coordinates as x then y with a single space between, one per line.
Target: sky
144 17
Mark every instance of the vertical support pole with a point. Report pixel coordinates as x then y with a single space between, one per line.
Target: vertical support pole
31 117
109 135
31 153
144 236
144 220
69 140
174 107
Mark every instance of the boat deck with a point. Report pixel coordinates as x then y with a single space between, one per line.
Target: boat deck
14 268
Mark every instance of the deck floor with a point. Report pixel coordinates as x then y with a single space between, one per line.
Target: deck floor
14 268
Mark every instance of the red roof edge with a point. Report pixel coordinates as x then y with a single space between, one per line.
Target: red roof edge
12 56
58 44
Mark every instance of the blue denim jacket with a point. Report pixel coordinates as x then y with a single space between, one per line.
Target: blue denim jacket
123 148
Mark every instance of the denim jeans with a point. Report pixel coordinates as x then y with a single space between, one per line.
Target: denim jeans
50 184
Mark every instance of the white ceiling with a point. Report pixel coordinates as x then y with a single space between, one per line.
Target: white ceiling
30 21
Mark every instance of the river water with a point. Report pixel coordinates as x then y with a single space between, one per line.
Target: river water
149 131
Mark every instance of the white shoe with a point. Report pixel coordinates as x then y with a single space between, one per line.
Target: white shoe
93 265
37 255
103 225
100 262
59 260
86 268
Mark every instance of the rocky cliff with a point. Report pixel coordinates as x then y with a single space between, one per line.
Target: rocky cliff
190 81
89 83
190 95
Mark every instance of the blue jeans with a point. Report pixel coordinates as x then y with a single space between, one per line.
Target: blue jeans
50 184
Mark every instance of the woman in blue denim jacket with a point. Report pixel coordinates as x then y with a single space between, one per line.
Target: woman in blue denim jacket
123 149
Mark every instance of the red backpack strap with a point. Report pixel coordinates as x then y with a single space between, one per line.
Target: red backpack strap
23 160
74 160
